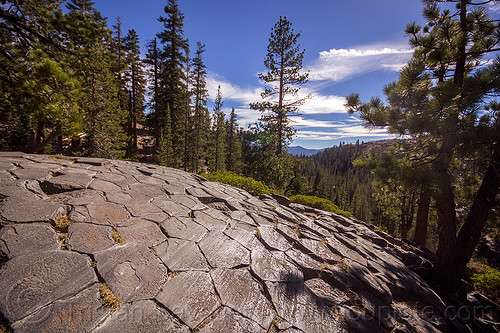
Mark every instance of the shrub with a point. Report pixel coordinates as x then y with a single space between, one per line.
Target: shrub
484 278
246 183
319 203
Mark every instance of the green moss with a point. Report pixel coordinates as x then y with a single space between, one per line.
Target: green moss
246 183
319 203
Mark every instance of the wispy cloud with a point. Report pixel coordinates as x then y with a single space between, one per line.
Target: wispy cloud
343 132
341 64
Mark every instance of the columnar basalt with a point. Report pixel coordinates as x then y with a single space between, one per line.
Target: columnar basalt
185 254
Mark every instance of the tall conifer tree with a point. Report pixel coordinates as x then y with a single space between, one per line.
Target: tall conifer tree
92 58
284 62
134 78
219 133
201 119
172 78
233 144
445 97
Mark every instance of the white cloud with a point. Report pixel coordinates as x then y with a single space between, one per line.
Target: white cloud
298 121
347 127
232 91
341 64
342 132
351 53
494 7
323 104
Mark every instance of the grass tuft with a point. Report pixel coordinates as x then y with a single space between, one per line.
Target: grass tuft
116 237
108 298
61 223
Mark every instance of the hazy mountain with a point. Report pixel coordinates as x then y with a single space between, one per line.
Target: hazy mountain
298 150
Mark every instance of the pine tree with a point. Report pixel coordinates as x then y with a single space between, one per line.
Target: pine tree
164 147
284 62
152 61
233 144
219 133
37 88
134 78
440 98
89 41
201 119
172 78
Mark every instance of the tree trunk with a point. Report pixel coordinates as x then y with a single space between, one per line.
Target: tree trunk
484 200
422 218
39 136
403 229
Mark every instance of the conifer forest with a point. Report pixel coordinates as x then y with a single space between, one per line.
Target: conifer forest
74 83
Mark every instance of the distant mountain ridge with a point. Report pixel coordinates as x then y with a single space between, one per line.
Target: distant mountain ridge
299 150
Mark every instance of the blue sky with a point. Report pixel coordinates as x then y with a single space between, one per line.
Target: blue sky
350 46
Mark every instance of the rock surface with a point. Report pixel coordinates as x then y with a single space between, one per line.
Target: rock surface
184 254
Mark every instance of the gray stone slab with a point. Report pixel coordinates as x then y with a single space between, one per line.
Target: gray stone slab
142 316
139 231
381 313
241 216
112 176
32 281
170 207
173 187
357 321
25 207
273 238
309 266
67 180
244 234
295 303
338 245
104 186
132 271
79 214
89 238
119 197
183 227
320 250
181 255
228 320
78 197
33 172
241 292
275 266
191 296
211 219
106 213
142 208
80 313
188 201
371 281
149 191
148 180
222 251
24 239
262 219
329 295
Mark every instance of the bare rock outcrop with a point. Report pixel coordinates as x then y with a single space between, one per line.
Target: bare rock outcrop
181 254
